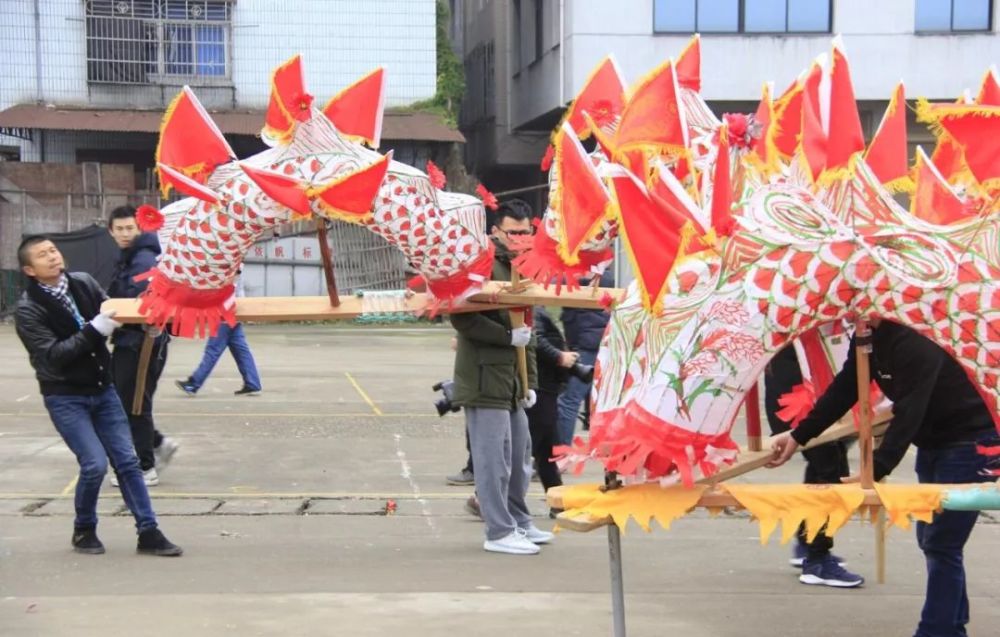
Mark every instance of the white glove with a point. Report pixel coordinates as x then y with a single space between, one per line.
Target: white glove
520 336
530 401
105 323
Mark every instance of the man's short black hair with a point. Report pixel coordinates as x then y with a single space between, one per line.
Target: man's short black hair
121 212
24 250
516 209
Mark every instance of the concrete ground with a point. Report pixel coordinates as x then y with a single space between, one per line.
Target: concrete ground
279 502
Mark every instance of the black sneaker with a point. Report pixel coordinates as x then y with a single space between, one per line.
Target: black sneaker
186 386
827 572
246 391
153 542
85 541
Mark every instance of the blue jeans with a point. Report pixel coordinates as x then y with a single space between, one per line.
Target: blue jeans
236 341
95 428
570 400
946 604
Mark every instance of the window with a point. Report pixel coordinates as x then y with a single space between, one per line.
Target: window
151 41
953 15
742 16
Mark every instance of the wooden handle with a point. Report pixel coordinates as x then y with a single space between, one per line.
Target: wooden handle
516 321
140 374
862 335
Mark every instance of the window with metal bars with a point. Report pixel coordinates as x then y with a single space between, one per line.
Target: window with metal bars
158 41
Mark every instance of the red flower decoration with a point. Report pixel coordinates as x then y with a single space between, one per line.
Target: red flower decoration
148 218
489 199
550 154
739 129
438 180
303 107
607 301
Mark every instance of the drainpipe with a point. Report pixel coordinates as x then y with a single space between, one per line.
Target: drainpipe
562 53
39 96
509 79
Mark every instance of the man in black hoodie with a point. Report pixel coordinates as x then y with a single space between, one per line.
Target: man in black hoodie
60 322
139 254
937 409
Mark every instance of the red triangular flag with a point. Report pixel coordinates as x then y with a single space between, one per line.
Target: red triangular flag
813 142
764 118
650 238
289 102
989 89
784 133
933 199
654 115
602 96
887 153
974 128
351 197
357 111
582 198
190 142
722 189
285 190
845 137
185 184
689 65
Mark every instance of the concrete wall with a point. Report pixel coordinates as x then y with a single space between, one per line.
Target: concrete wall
879 38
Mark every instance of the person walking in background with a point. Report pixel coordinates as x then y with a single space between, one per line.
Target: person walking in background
139 253
584 330
234 339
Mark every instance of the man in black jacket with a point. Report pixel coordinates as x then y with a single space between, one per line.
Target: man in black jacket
58 319
139 253
584 330
937 409
554 363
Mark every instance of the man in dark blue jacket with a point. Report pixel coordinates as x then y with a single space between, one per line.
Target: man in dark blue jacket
60 322
584 330
139 254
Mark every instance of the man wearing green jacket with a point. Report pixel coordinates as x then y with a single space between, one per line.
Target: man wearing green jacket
488 386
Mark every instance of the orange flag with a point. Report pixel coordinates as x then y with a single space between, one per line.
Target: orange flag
933 199
974 129
764 146
689 65
887 153
602 97
582 199
845 136
654 115
784 132
813 143
357 111
289 102
190 142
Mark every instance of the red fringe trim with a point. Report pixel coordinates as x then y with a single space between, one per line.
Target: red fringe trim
988 451
541 263
186 309
457 286
631 439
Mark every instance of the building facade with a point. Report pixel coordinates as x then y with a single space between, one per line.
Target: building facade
526 59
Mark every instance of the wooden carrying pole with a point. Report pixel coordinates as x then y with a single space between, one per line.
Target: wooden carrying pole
752 406
324 252
863 347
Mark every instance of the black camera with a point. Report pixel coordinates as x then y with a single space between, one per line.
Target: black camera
444 404
585 373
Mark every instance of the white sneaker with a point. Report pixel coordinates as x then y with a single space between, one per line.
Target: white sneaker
514 543
537 536
162 454
149 477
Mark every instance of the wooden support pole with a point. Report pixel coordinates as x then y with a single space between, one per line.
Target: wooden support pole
324 251
516 321
142 370
752 406
863 348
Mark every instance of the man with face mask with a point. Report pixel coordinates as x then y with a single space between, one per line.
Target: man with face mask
139 252
58 319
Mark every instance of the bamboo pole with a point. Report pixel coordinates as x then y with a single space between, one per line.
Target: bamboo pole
752 406
324 251
516 321
142 370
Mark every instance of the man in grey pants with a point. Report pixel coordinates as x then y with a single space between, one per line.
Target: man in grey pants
487 385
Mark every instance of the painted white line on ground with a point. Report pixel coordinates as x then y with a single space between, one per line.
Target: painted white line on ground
408 476
23 398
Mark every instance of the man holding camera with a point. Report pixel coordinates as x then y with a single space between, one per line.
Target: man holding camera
488 387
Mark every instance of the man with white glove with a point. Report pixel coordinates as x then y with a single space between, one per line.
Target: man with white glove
488 387
105 322
58 319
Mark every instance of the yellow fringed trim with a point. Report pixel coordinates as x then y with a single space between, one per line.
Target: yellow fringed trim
898 185
642 503
794 504
343 215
